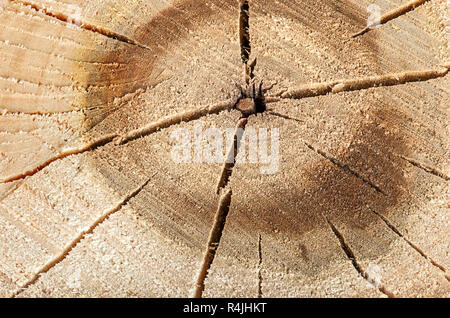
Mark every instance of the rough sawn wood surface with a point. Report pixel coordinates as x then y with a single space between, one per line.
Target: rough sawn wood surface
92 205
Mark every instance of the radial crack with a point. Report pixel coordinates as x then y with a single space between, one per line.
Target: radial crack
344 167
171 120
259 267
395 13
63 154
284 116
89 27
338 86
81 236
229 163
426 168
396 231
213 241
351 256
244 30
152 127
123 100
11 190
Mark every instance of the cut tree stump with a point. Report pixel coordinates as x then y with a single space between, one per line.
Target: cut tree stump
93 205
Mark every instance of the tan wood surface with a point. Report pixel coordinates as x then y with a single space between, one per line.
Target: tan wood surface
92 204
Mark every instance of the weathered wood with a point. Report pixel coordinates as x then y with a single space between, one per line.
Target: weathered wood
92 204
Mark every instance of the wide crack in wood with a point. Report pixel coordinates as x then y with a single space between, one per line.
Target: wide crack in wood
213 241
81 236
244 31
334 87
89 27
176 119
229 163
351 256
63 154
395 13
118 139
415 247
249 101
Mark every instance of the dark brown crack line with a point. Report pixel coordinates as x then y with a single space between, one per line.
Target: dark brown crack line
351 256
213 241
426 168
229 163
415 247
395 13
333 87
259 267
284 116
81 236
333 160
344 167
89 27
244 30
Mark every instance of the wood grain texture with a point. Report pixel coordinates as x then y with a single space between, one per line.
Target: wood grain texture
92 204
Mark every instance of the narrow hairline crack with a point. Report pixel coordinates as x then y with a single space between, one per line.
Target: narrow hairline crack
126 97
260 263
425 168
10 191
344 167
277 114
81 236
351 256
411 244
